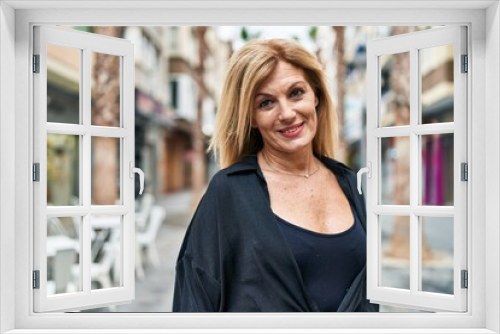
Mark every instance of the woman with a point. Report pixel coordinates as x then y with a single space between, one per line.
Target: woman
281 227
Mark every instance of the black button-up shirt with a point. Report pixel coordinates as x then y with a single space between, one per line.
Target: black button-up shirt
235 258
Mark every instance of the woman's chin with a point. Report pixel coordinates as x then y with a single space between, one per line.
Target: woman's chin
297 147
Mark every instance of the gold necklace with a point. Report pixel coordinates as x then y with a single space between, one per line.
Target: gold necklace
285 173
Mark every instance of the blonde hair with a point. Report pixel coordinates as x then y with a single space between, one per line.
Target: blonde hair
248 69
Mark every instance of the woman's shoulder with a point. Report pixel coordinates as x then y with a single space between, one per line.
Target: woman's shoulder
224 177
245 165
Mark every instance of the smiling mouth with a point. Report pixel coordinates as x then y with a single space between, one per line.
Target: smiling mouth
292 130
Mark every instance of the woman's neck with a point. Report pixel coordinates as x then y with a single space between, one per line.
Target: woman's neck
301 162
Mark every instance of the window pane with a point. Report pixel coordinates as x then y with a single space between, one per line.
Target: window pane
105 73
395 171
437 169
63 256
63 165
395 89
63 84
436 65
105 268
437 254
105 171
395 246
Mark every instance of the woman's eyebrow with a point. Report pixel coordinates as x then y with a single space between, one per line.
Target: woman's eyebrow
288 87
271 94
295 83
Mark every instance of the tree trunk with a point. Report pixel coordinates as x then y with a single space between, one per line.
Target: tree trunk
339 51
199 162
399 246
105 112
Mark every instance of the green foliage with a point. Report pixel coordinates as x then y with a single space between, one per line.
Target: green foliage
246 35
313 33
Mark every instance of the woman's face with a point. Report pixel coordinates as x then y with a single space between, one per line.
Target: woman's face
284 110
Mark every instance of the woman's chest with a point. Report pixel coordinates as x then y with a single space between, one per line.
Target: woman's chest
318 204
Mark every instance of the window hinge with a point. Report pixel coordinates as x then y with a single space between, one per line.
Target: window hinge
465 279
464 171
36 63
465 64
36 279
36 172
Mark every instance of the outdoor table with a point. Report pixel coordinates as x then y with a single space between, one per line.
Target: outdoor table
57 243
105 222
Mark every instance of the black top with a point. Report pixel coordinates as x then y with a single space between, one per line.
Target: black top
234 257
328 262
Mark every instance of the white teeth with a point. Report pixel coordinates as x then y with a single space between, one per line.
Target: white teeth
291 130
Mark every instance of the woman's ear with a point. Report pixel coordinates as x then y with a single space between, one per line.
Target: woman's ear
316 101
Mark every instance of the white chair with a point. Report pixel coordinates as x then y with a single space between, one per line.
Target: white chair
143 209
55 227
101 271
147 239
102 265
61 272
77 222
141 216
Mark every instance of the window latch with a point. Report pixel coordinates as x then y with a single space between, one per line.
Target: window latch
134 170
367 170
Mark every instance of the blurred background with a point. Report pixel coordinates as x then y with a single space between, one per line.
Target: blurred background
179 72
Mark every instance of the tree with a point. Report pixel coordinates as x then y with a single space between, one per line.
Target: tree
199 170
339 51
399 246
105 112
246 36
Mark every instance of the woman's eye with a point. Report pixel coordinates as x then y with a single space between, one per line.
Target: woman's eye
297 92
265 104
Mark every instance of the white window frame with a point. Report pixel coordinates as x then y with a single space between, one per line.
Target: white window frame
86 43
412 44
16 21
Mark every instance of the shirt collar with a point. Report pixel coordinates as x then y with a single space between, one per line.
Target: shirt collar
249 163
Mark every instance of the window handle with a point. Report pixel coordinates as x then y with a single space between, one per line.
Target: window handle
138 171
368 170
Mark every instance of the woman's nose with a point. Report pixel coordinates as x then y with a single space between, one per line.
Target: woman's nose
286 112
